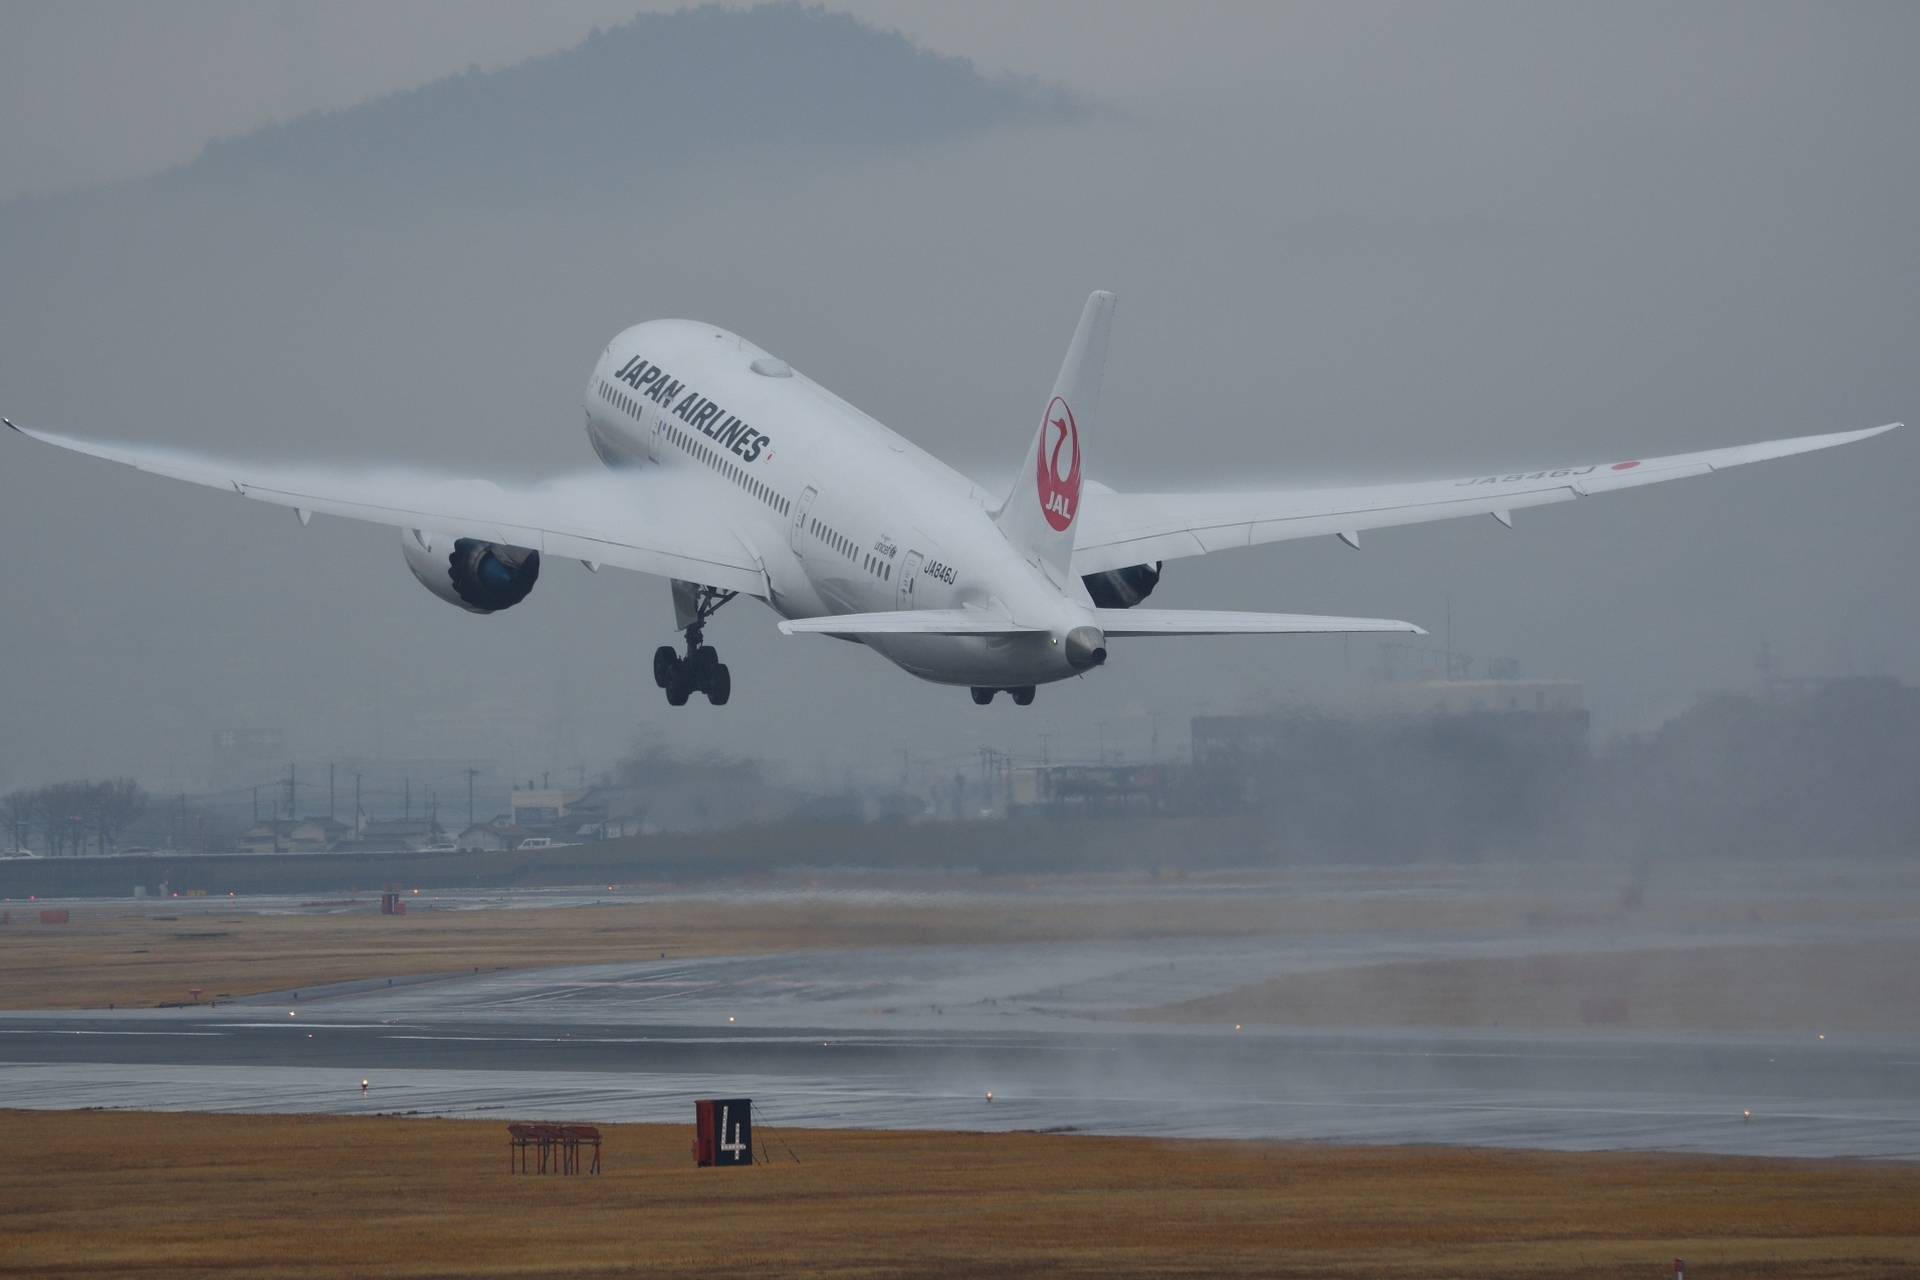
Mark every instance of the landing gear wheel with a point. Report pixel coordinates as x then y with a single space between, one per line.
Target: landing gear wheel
981 697
701 670
1022 697
664 661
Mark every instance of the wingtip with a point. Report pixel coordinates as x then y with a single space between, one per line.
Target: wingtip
9 422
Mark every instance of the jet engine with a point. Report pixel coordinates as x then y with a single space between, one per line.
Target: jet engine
480 577
1122 588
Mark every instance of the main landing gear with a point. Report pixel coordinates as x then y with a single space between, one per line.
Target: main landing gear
701 670
1022 697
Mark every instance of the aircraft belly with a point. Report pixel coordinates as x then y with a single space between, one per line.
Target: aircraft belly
1000 661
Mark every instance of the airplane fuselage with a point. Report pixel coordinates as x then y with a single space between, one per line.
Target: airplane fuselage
844 515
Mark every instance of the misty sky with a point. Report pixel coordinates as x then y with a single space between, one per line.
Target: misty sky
1347 241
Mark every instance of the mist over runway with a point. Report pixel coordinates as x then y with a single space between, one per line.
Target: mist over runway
917 1038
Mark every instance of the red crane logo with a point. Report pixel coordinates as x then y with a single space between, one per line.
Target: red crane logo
1059 490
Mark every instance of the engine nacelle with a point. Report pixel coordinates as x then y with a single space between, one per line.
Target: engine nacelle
1122 588
480 577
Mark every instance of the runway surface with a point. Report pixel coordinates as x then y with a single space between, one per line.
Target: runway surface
917 1037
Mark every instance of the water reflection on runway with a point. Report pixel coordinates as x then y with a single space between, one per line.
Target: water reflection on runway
917 1037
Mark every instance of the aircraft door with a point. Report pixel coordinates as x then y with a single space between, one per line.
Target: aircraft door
800 510
909 570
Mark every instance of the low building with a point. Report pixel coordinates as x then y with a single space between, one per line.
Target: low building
411 836
316 835
1479 697
500 833
1092 790
263 837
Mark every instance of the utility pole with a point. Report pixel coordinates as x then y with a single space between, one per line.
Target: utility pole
356 807
471 774
329 793
1044 759
408 782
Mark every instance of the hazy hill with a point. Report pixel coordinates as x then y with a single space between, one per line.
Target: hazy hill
634 107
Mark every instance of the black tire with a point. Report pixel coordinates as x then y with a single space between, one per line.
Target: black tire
719 684
705 659
981 697
1022 697
664 661
678 692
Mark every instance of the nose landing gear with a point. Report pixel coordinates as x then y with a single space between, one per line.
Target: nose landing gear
701 670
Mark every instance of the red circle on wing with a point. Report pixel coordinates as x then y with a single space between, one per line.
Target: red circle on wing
1625 466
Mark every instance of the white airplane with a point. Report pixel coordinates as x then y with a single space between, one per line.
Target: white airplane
730 473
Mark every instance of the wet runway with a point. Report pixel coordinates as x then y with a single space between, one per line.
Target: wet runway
917 1037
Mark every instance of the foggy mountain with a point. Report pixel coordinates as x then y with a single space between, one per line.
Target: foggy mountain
634 106
1406 250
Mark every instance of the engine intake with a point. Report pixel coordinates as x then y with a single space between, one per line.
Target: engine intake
1122 588
480 577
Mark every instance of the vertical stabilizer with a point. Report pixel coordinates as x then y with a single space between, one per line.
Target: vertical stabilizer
1039 515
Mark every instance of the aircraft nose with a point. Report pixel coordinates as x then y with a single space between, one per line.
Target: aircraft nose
1086 648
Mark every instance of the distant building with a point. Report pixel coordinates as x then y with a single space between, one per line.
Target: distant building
263 837
604 813
412 836
542 809
499 833
1092 790
1478 697
315 835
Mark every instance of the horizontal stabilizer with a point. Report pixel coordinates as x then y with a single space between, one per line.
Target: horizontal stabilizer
912 622
1212 622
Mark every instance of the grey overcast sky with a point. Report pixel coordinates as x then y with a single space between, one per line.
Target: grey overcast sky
1348 240
108 89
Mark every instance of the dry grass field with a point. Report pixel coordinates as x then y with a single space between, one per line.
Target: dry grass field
124 1194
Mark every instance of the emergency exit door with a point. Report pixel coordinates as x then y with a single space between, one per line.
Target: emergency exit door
909 570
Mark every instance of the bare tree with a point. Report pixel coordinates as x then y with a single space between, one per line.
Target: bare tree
16 810
113 806
61 811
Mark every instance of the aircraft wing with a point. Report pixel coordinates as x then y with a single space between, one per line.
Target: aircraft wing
1214 622
1112 622
911 622
651 520
1121 529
